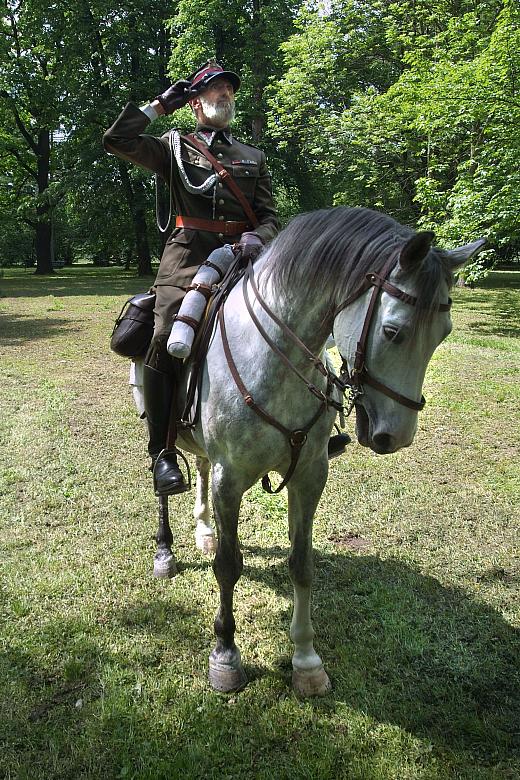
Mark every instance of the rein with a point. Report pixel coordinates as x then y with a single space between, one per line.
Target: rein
359 375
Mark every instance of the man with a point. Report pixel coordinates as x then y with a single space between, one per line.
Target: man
209 216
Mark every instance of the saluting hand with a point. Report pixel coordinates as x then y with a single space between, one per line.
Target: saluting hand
176 96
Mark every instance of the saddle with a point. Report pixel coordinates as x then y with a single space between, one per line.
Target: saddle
187 415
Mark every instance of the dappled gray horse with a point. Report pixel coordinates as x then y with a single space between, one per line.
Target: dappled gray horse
268 400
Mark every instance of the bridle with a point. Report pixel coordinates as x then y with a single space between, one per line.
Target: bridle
352 381
359 375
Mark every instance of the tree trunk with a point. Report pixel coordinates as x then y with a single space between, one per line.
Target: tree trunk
43 225
144 262
134 202
137 213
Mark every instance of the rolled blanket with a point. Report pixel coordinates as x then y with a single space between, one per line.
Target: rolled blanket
192 308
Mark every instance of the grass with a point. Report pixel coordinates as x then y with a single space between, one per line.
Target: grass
103 668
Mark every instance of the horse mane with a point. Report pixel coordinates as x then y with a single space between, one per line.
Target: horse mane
327 250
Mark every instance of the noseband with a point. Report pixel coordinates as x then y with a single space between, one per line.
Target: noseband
359 376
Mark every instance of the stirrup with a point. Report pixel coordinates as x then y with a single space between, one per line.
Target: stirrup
184 486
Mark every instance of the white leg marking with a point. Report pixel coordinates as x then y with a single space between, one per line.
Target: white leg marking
204 534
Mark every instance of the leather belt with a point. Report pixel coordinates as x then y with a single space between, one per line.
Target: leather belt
228 228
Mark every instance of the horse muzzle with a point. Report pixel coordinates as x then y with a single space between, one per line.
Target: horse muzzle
379 436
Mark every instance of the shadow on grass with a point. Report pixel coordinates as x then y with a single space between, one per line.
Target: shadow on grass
18 328
399 647
503 308
409 651
75 281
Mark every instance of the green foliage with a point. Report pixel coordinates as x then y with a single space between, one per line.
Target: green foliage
429 133
411 107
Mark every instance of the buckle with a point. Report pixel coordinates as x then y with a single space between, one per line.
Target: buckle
298 438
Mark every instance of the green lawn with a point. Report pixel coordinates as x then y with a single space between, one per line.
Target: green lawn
103 668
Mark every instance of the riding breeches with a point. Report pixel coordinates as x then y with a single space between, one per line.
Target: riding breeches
167 304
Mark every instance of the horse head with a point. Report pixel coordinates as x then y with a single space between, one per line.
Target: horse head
388 333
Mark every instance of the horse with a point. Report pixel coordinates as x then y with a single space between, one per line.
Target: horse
268 399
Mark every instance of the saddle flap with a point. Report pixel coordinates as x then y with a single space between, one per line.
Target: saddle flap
193 366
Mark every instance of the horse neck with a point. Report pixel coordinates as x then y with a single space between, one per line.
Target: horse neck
306 316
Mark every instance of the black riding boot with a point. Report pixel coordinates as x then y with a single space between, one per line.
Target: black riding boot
337 444
158 395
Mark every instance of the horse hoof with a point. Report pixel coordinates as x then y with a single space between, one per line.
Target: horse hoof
312 682
226 679
164 567
207 543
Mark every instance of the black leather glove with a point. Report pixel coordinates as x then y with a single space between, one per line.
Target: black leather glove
176 96
251 246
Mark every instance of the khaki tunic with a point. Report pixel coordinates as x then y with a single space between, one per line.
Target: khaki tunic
186 249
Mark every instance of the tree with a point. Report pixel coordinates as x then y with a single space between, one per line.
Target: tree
36 54
429 133
334 52
128 55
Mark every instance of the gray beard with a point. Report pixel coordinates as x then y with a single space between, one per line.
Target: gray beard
220 114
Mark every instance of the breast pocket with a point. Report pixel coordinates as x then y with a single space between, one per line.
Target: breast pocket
197 167
246 177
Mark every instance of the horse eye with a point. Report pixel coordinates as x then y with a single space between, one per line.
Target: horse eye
393 334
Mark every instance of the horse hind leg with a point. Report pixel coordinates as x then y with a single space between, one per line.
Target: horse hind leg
226 673
204 534
309 677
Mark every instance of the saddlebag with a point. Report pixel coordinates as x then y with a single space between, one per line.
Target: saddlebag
133 329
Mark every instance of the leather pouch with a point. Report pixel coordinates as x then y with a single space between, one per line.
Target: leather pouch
133 329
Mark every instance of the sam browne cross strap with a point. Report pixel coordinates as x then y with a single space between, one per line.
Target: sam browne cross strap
227 179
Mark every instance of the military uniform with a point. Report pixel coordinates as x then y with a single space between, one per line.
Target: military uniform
208 216
187 248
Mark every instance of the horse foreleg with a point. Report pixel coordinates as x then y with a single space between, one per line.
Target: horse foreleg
225 668
164 562
309 676
204 533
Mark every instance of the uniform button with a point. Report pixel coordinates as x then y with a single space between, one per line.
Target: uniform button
221 217
247 173
221 202
221 185
220 154
221 235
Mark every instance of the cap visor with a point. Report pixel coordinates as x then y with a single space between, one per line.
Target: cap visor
225 74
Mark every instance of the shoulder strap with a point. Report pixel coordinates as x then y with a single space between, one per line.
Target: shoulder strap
226 178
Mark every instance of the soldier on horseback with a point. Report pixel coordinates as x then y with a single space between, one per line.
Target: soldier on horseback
209 215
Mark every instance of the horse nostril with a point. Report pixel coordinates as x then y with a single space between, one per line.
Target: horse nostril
383 442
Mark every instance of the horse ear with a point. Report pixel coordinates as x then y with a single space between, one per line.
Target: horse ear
416 249
462 254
